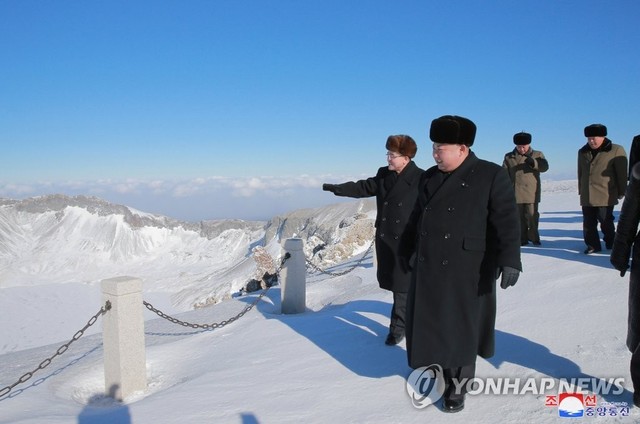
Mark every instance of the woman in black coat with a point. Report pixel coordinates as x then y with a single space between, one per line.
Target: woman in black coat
626 245
396 188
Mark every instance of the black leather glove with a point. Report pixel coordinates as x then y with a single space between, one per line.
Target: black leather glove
530 161
335 189
621 266
509 276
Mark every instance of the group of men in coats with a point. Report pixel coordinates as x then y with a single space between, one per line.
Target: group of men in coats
445 236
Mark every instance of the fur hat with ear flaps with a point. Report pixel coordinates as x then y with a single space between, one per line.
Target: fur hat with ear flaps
595 130
451 129
402 144
522 138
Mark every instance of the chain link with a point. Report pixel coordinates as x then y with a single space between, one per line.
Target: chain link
103 310
221 323
341 273
205 326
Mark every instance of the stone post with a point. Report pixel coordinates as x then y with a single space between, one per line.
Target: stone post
294 274
125 370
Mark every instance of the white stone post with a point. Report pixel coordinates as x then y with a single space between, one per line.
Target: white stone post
125 370
294 278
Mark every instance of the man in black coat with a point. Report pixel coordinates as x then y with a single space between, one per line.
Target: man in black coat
634 153
625 247
466 234
396 188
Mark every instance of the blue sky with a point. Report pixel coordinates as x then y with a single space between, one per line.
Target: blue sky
241 109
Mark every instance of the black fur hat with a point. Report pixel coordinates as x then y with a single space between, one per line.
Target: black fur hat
595 130
522 138
451 129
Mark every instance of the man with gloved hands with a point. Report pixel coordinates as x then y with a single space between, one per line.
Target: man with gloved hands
395 188
524 165
463 234
625 245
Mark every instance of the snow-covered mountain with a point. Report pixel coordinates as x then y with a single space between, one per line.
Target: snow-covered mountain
60 239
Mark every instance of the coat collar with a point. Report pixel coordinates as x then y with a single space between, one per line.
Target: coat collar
436 188
403 178
514 152
605 147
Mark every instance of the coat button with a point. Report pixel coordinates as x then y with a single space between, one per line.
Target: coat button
384 219
400 204
451 209
397 221
395 237
381 235
447 236
421 259
445 262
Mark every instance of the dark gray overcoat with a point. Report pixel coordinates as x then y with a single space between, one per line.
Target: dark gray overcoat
626 245
465 225
395 196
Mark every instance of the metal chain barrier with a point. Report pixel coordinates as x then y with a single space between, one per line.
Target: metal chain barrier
6 390
341 273
221 323
103 310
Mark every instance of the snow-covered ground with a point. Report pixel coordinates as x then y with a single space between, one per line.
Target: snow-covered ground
565 318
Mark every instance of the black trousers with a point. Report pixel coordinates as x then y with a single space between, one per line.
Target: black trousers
453 391
529 221
635 373
591 216
398 314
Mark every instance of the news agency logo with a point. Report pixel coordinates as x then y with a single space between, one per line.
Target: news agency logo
576 397
571 405
578 405
425 385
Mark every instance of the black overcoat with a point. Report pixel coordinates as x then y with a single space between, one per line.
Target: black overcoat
395 196
466 225
626 245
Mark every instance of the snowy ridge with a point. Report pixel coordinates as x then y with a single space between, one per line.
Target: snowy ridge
60 239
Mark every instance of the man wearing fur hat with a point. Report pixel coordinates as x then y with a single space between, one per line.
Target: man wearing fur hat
602 180
396 188
524 166
462 236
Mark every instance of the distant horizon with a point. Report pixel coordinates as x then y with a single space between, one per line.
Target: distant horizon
166 203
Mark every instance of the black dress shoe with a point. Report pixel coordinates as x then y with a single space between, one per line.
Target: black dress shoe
589 250
393 340
453 405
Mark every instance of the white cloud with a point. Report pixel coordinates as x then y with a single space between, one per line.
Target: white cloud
251 197
9 190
